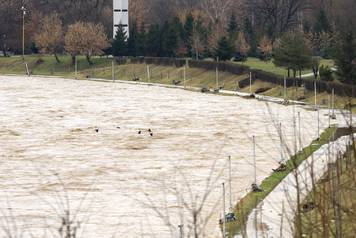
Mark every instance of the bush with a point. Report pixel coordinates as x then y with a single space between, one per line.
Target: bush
238 57
326 74
264 57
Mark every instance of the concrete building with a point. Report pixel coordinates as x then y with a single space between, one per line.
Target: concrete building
121 15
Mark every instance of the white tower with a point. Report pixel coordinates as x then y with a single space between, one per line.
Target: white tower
121 15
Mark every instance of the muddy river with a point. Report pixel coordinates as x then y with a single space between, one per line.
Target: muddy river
130 160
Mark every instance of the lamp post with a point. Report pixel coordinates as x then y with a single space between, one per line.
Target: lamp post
23 9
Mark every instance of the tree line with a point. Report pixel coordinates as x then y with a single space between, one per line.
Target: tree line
219 29
81 38
297 49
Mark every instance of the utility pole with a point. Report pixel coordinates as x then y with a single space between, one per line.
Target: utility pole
217 77
250 83
254 160
23 9
295 131
76 67
329 110
148 73
184 76
224 211
281 142
27 70
318 109
230 193
285 88
333 116
300 132
113 71
315 101
217 73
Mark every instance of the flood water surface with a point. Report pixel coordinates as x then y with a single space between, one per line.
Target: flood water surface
129 160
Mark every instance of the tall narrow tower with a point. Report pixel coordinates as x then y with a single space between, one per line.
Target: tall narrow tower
121 15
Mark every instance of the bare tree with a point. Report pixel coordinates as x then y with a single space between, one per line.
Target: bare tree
85 38
195 210
265 47
49 38
276 15
217 13
241 44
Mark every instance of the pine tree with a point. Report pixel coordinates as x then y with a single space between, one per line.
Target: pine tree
141 40
169 43
153 41
250 36
119 44
322 22
177 27
346 58
232 28
224 50
293 53
132 42
188 33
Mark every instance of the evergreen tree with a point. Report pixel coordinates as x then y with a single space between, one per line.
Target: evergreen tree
34 48
188 33
232 28
169 44
306 26
141 40
322 22
133 41
346 58
119 44
293 53
224 50
250 36
177 26
153 41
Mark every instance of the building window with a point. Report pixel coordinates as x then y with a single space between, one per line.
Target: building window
123 25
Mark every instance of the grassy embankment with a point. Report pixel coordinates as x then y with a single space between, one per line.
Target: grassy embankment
162 74
102 68
339 180
251 200
278 91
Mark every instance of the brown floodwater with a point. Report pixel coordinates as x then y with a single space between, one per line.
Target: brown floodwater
76 144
